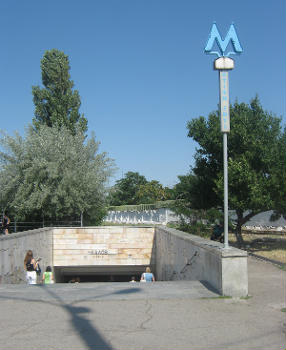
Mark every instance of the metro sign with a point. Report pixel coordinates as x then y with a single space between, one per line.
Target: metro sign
231 37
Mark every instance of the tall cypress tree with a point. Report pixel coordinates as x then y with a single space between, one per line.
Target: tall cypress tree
57 104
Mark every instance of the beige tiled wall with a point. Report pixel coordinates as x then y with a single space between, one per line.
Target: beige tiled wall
103 246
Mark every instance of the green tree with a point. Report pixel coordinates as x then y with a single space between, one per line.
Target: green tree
192 207
170 194
253 148
125 190
151 192
57 104
279 183
53 174
194 191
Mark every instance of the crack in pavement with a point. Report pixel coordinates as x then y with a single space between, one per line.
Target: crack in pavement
148 307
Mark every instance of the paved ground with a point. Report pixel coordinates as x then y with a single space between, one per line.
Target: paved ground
164 315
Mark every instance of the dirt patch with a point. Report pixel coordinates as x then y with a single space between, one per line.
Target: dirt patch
268 245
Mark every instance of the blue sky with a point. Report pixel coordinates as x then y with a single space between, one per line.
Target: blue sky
140 69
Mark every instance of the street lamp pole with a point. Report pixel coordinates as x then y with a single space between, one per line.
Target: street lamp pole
225 185
224 64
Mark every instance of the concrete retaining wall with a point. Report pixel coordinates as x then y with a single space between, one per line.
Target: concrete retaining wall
149 217
13 249
181 256
162 216
175 255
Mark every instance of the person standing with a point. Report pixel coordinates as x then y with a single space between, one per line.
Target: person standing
5 224
48 277
30 265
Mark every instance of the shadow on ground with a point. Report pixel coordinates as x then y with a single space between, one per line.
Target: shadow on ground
81 325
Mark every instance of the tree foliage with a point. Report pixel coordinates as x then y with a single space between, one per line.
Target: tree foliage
57 104
151 192
253 166
280 179
134 189
193 191
125 190
53 173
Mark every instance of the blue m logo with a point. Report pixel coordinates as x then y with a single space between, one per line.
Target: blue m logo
222 44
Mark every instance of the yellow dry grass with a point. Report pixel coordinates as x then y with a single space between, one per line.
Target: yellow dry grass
268 245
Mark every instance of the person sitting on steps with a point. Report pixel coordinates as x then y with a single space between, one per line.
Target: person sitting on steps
147 276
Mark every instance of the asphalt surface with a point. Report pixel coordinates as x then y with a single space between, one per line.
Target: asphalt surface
161 315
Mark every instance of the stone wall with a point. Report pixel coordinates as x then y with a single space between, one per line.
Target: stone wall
13 249
95 246
181 256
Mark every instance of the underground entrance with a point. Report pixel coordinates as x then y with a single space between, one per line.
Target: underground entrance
98 274
118 252
102 254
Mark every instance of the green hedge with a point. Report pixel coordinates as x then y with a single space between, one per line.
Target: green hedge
141 207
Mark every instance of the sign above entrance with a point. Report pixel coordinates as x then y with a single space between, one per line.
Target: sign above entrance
231 38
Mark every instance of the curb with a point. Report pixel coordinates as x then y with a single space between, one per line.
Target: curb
275 262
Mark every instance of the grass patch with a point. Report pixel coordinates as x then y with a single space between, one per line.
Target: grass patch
284 309
105 223
268 245
218 297
229 297
246 298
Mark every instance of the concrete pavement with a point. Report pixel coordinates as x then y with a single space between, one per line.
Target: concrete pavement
164 315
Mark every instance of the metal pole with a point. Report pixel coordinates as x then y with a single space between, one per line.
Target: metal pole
224 64
225 128
225 183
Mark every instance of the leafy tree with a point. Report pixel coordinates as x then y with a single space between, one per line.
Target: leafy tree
253 149
170 194
190 197
134 189
195 221
151 192
193 190
57 104
53 174
280 179
125 190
